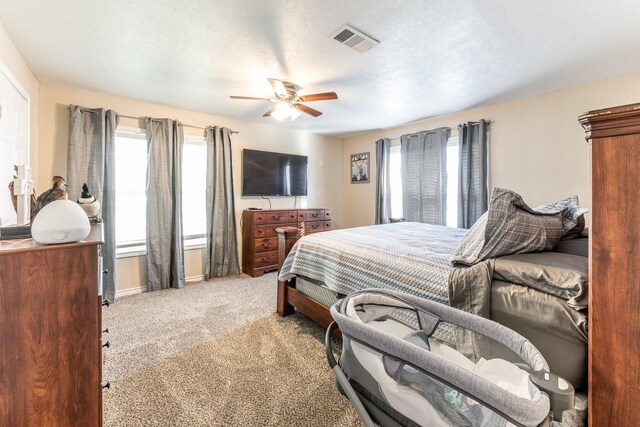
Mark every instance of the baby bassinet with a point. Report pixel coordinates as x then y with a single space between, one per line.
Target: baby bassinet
400 366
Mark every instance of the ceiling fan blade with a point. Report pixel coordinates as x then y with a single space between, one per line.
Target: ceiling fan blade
308 110
268 113
318 97
250 97
278 86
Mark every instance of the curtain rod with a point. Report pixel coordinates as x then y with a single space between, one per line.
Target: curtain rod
433 131
140 118
412 134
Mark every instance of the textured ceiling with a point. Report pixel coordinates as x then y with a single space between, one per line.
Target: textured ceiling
434 57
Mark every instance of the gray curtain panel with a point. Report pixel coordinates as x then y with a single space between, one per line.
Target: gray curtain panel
424 176
383 186
222 243
165 247
473 173
90 159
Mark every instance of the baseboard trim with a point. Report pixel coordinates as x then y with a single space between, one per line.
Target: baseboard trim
130 291
198 278
142 289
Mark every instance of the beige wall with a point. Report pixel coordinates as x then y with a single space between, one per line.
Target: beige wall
537 147
325 167
12 61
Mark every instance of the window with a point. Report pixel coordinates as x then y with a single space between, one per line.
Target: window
395 181
194 189
131 200
453 165
131 182
395 178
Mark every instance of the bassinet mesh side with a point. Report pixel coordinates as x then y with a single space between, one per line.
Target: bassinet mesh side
444 332
450 404
453 407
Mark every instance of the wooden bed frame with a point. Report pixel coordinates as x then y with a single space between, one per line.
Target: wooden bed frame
288 296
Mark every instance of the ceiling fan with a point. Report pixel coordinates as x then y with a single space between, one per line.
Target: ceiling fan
288 102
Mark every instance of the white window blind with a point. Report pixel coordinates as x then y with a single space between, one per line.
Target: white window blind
452 181
194 187
131 181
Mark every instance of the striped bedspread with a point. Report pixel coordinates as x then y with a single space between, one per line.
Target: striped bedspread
409 257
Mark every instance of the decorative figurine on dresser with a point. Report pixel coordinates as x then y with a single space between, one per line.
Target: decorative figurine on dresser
56 192
90 204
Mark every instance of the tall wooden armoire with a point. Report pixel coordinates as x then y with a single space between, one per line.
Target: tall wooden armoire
614 270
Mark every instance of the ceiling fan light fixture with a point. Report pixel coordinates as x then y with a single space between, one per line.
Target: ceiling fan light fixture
282 111
288 105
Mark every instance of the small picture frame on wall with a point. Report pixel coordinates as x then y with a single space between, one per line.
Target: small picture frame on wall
360 168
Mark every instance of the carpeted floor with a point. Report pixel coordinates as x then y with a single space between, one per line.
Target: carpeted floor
214 354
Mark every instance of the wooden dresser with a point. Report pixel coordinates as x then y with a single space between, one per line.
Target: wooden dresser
614 266
260 240
50 333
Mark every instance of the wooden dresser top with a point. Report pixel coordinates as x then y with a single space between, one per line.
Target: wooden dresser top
95 237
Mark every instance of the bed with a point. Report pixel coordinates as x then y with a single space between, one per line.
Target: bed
317 270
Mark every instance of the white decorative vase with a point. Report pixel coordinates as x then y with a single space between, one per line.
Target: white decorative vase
61 221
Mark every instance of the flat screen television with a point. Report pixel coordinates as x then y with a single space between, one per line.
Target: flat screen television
273 174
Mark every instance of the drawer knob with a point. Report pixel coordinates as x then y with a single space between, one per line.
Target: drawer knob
107 344
315 215
106 331
277 216
266 244
105 271
107 385
265 259
105 303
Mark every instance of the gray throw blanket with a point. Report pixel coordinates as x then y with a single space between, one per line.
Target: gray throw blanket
470 291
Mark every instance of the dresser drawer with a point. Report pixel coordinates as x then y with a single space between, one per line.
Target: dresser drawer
264 259
311 215
327 225
313 226
279 217
270 230
265 245
327 214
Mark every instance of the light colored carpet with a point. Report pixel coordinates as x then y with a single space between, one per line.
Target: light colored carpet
214 354
200 357
147 328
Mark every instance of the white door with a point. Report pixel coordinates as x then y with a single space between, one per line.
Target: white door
14 138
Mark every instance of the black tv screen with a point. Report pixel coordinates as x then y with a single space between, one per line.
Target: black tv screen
273 174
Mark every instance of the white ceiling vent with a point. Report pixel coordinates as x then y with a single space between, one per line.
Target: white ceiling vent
353 38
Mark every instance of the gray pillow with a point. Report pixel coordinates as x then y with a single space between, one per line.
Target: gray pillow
572 215
510 226
563 275
578 246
